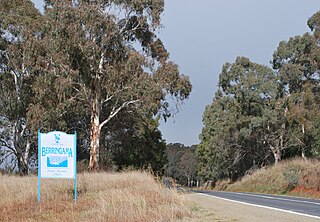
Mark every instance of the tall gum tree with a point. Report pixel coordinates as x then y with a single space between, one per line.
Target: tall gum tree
18 27
255 88
110 51
218 150
241 126
298 63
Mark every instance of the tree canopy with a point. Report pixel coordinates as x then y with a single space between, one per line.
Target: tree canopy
261 115
82 63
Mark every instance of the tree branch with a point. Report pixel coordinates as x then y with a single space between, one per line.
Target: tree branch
5 156
5 144
106 100
101 63
115 111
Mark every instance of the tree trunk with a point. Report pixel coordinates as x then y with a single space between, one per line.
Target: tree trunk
279 147
303 155
303 152
95 132
21 152
277 157
23 159
276 154
23 166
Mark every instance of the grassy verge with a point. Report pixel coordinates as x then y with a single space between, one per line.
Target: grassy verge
129 196
293 177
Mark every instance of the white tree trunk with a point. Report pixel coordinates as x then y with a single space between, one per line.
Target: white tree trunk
95 136
96 126
277 157
276 154
21 151
303 152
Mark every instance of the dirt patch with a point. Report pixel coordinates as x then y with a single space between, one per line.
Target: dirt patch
305 192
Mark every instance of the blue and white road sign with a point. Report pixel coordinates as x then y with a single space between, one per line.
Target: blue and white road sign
57 157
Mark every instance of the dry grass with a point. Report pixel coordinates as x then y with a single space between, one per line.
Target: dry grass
128 196
295 177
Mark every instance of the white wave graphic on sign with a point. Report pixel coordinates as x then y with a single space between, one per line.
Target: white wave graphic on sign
57 161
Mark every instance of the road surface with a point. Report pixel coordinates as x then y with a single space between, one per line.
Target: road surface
307 208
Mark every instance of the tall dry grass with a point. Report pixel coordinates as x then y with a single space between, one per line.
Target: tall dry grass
127 196
296 176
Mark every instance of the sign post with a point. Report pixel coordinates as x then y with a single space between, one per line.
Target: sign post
57 157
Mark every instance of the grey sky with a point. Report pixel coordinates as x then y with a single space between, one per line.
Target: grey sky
202 35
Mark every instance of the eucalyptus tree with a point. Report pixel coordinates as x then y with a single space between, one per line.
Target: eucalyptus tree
172 168
182 163
219 151
298 63
109 51
314 25
302 116
255 89
245 123
135 141
188 165
18 29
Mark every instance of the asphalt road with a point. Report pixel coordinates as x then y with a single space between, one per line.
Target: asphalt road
295 205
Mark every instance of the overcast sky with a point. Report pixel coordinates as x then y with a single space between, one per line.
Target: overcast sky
202 35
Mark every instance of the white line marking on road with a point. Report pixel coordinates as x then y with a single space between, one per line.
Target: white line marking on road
278 198
255 205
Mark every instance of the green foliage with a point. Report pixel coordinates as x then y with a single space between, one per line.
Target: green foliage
136 142
236 124
81 64
19 22
182 163
298 61
96 46
314 24
260 114
291 176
